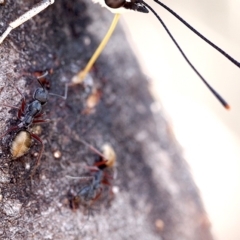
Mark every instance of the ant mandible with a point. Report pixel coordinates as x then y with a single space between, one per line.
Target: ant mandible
28 114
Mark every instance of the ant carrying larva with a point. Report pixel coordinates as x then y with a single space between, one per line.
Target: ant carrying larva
99 175
120 6
29 114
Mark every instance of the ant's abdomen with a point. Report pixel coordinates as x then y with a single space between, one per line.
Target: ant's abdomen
21 144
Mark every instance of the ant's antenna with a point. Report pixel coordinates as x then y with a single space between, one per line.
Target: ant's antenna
226 55
91 148
40 77
220 99
53 94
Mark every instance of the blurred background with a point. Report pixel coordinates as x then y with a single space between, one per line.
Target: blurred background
209 134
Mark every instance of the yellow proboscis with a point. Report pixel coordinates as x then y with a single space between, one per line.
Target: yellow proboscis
79 77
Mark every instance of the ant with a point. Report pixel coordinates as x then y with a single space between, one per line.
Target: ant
117 7
29 114
99 177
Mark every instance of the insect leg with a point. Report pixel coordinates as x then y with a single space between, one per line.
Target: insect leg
26 16
9 130
65 93
40 115
92 148
97 196
225 54
40 121
219 98
21 108
79 77
7 105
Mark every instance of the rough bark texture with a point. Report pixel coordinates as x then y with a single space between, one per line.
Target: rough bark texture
154 182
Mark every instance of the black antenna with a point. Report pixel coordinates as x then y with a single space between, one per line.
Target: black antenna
220 99
226 55
40 77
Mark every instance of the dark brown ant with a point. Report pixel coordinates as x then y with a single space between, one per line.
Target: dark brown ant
91 192
28 114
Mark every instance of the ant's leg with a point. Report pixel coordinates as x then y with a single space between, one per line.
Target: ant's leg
10 106
7 105
92 201
93 149
65 92
97 196
9 130
81 178
39 154
108 157
39 115
85 143
79 77
106 182
20 109
40 121
92 168
19 92
25 17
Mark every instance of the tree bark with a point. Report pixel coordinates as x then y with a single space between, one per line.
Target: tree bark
157 198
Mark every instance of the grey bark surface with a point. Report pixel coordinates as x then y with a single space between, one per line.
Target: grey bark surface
155 185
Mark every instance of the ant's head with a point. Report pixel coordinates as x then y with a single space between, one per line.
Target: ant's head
41 94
